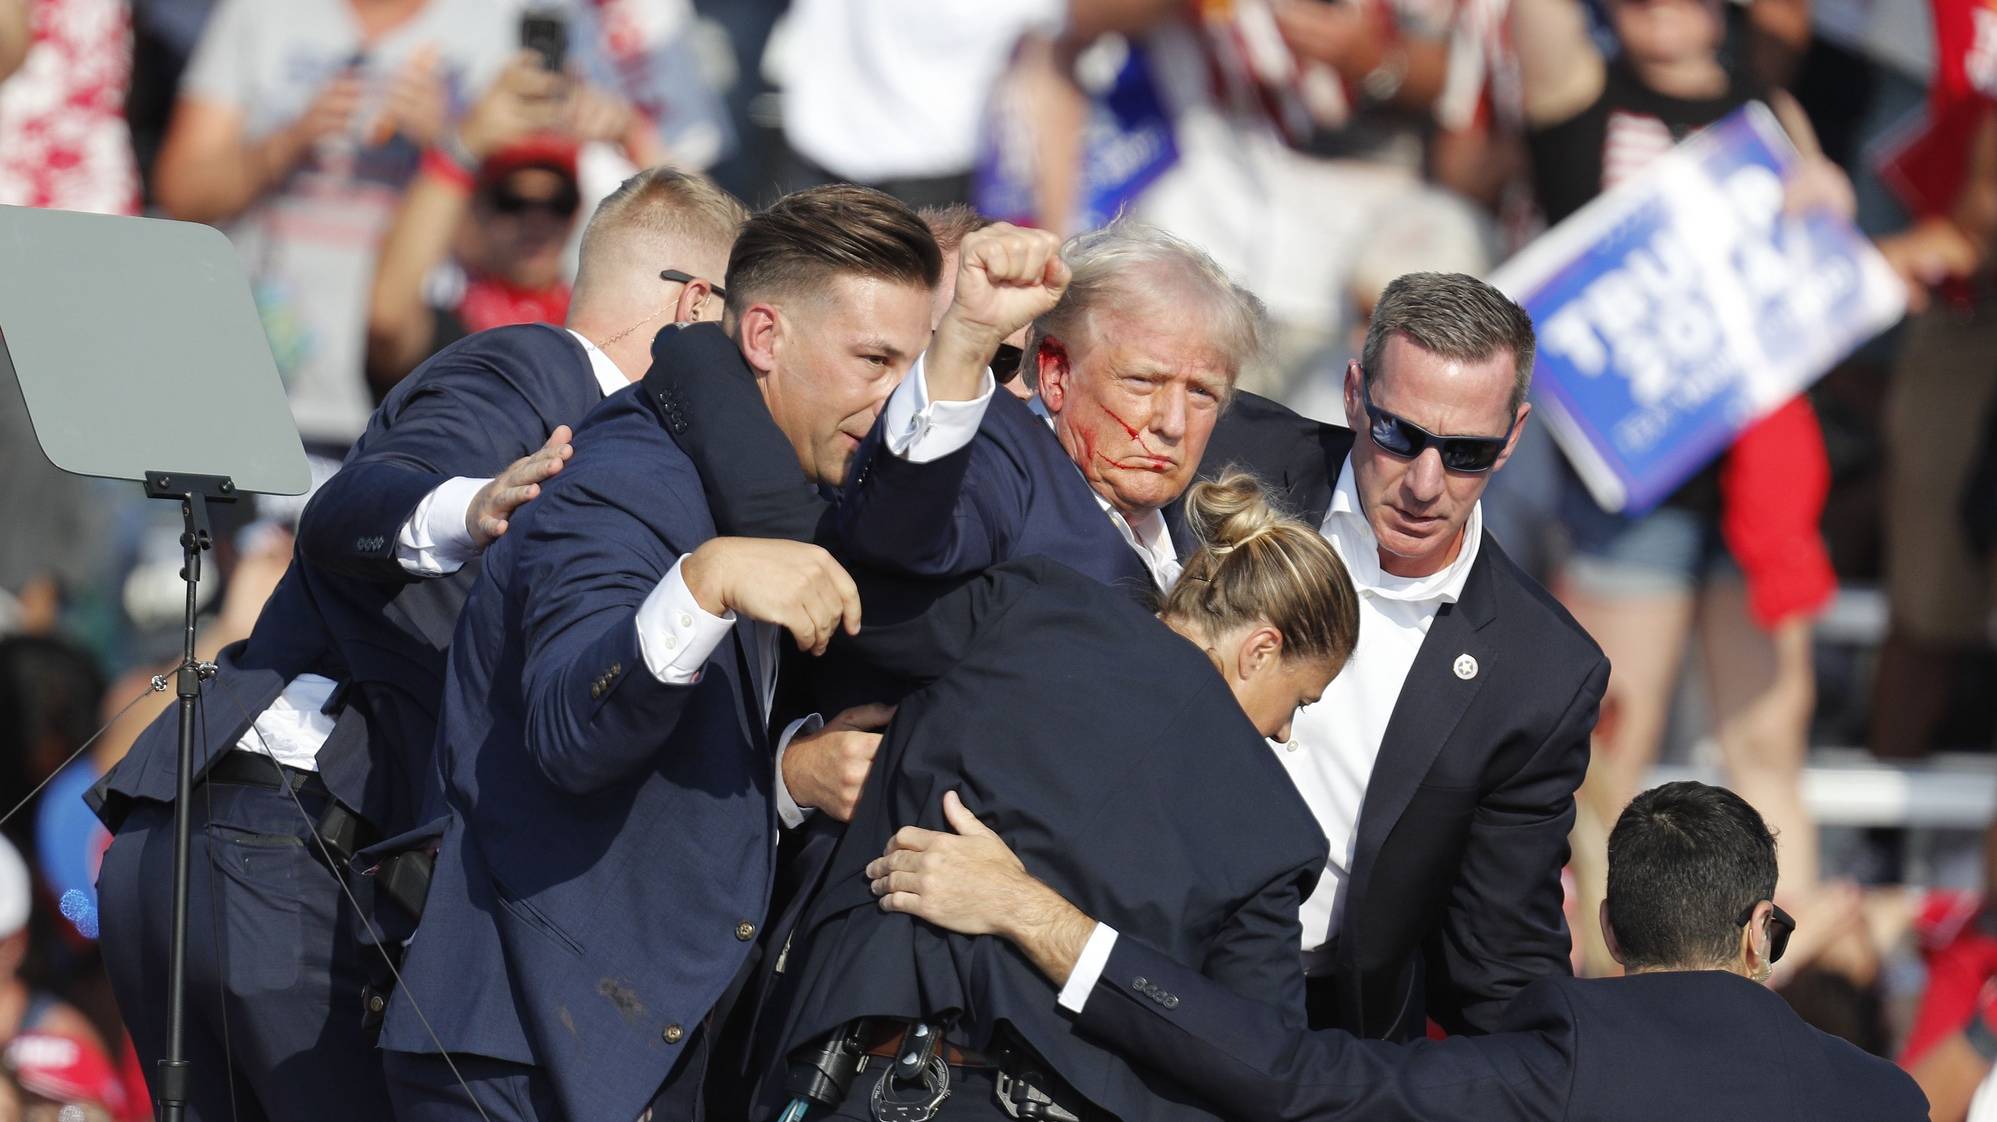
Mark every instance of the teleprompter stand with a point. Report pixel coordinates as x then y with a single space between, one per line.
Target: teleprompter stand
140 355
195 492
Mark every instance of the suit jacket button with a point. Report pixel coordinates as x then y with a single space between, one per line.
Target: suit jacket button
595 690
745 931
673 1034
616 668
1171 1001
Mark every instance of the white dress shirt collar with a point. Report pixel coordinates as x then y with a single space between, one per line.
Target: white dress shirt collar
1345 526
608 375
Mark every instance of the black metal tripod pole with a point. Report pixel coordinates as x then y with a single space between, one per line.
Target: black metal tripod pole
194 493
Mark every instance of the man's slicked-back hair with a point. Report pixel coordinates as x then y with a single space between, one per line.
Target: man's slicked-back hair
1685 860
1129 263
807 238
657 214
1457 317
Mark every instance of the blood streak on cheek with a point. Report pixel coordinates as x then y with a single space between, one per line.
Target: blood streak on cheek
1160 461
1089 451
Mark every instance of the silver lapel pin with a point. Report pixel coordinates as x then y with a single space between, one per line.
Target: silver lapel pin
1466 666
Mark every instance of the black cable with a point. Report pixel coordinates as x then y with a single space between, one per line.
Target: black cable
157 685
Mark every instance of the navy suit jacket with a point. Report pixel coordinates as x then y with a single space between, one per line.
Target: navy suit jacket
1115 761
1454 903
1664 1047
346 609
1012 492
609 850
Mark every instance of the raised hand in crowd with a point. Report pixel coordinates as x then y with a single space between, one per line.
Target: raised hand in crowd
1007 277
417 104
210 172
523 99
486 517
798 587
828 768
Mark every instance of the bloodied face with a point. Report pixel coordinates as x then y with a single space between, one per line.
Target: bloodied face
1134 397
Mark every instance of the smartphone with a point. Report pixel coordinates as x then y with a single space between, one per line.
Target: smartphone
546 34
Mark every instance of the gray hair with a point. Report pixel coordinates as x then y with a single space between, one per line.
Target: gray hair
1456 316
1108 268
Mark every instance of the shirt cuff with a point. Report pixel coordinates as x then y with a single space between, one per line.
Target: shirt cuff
920 430
435 541
1088 968
675 634
788 812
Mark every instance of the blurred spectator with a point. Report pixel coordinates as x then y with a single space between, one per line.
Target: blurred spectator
298 124
1734 555
50 695
164 35
63 140
61 1078
22 1007
892 93
1943 394
480 244
1300 125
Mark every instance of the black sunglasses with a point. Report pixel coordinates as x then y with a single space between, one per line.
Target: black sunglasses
563 204
1780 927
677 277
1469 454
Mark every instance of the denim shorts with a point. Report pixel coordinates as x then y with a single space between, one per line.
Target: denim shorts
1669 551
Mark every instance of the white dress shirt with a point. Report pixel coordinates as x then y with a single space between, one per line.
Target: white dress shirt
434 542
1334 744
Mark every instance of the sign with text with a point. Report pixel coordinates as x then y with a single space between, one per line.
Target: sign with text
1684 304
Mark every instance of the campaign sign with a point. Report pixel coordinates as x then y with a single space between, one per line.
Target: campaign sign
1127 142
1683 305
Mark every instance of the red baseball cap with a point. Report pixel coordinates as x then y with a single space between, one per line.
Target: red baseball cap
65 1069
545 150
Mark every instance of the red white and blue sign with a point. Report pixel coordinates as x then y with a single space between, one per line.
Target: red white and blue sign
1683 305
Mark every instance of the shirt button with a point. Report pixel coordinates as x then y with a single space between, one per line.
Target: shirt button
673 1034
671 642
745 931
686 620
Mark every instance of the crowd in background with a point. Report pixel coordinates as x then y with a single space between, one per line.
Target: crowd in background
399 173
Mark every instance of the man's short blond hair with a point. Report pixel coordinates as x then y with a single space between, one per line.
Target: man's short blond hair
660 218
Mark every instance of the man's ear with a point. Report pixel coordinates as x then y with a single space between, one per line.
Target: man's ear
759 333
1518 430
1051 371
1355 397
696 303
1609 935
1755 943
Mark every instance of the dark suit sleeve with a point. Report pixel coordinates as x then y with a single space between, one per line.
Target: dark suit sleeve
596 715
949 517
924 648
1246 1061
465 418
1255 952
1505 925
